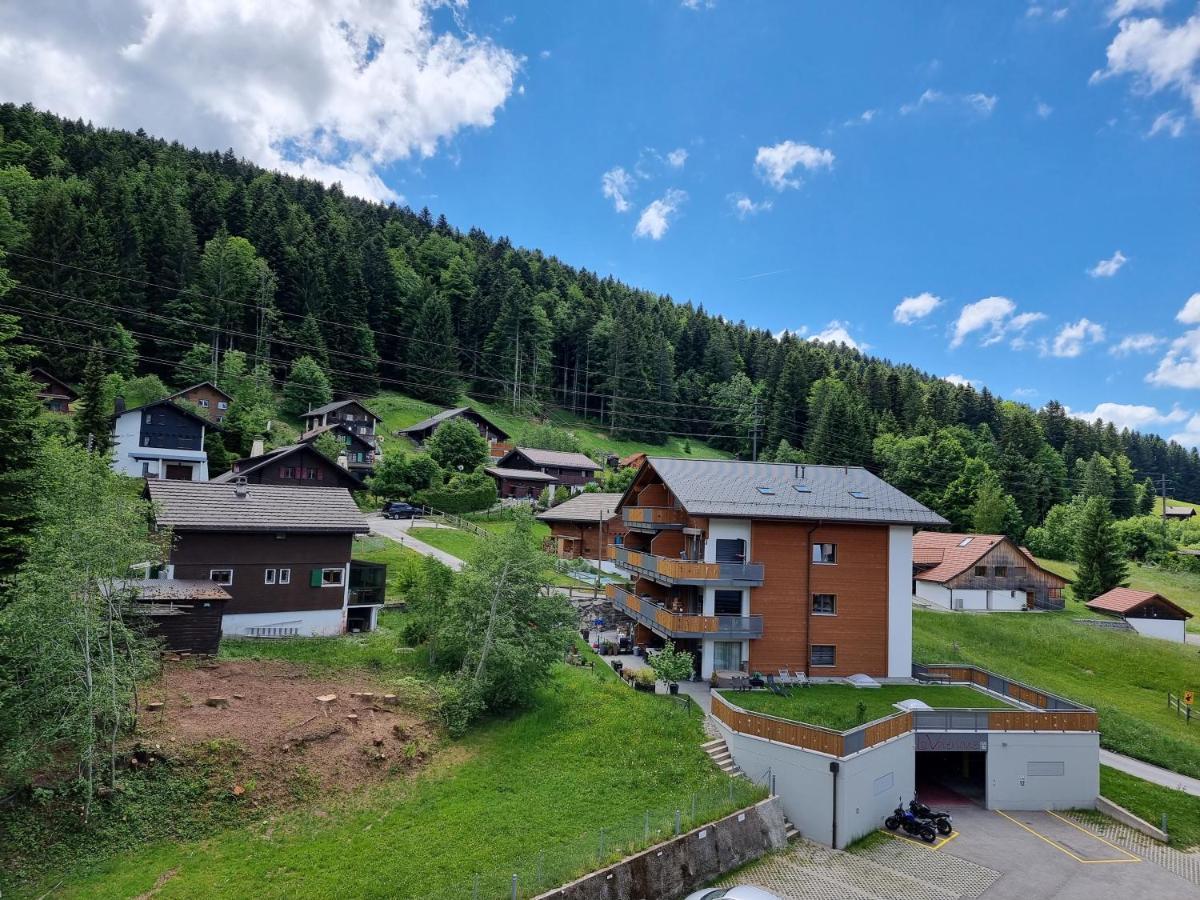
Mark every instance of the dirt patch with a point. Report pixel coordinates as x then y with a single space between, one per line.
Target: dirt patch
262 721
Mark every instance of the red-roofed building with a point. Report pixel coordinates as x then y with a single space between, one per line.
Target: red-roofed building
981 572
1146 612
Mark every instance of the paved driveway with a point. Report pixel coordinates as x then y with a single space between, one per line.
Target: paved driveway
397 530
994 856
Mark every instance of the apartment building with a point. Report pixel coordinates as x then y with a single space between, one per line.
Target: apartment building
755 567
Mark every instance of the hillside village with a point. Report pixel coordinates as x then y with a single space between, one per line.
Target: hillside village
290 572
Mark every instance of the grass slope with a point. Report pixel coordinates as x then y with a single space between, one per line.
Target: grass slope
1180 587
1150 801
402 562
400 411
836 705
1124 676
593 754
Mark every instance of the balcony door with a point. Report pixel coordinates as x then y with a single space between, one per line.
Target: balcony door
731 550
727 603
727 656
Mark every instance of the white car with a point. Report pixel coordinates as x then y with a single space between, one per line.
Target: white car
741 892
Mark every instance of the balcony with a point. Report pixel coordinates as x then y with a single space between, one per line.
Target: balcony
674 625
653 518
667 571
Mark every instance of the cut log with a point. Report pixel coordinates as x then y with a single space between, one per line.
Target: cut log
154 706
239 697
352 718
390 699
217 702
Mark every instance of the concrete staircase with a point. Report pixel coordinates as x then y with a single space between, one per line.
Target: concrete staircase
718 752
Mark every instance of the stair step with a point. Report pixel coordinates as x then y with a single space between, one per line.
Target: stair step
712 743
720 755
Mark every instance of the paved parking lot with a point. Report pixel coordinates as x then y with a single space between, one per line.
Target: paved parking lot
995 856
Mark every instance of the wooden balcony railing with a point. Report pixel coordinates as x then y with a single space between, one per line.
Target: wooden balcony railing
685 571
653 518
677 625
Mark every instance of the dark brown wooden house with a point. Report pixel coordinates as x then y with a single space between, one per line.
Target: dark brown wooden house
56 395
186 615
282 553
422 431
210 400
350 413
361 455
584 525
301 465
574 470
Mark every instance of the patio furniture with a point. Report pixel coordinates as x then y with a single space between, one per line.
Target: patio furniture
774 687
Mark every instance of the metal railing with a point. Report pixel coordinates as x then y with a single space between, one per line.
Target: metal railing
665 570
677 625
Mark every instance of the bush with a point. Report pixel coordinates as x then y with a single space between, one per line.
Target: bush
547 437
457 445
459 703
464 493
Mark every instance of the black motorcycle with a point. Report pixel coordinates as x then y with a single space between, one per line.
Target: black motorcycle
903 818
942 821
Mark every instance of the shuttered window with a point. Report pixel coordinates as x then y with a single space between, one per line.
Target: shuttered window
823 655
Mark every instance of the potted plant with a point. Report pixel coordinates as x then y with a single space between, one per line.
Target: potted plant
644 680
672 666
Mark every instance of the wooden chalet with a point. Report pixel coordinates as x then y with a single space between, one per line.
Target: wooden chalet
981 572
350 413
360 453
56 395
301 465
584 525
523 472
210 400
423 430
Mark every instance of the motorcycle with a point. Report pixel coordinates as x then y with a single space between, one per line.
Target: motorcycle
942 821
903 818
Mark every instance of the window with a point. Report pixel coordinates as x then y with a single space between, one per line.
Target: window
269 576
285 576
727 656
801 488
149 418
145 469
731 550
1000 571
287 473
980 571
222 404
1020 571
727 603
824 604
203 404
766 491
221 576
824 554
822 655
619 539
965 541
859 495
328 577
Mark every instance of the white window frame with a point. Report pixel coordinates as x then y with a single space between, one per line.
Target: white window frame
284 576
269 576
212 576
820 546
202 403
341 582
222 404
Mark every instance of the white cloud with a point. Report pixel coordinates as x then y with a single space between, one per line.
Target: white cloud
1061 13
1190 436
656 218
1157 57
959 380
744 206
837 332
1044 110
697 4
1167 123
995 316
793 332
1190 314
1180 366
545 54
1136 343
977 102
676 158
910 309
1122 8
775 165
616 184
1130 415
867 115
1025 393
1107 268
332 91
1073 337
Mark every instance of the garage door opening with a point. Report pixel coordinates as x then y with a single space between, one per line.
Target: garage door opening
949 778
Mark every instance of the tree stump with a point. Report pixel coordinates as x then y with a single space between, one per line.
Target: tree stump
217 702
390 699
154 706
352 718
325 700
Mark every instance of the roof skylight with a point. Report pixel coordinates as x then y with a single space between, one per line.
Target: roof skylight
859 495
766 491
801 488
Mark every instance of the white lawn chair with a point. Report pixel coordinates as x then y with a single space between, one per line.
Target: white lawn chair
800 680
785 676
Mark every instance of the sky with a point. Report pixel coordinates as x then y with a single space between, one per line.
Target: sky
1003 193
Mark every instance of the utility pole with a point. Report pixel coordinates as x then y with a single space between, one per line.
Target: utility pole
262 346
754 432
517 369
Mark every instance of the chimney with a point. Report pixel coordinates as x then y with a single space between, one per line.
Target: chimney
241 487
118 405
256 448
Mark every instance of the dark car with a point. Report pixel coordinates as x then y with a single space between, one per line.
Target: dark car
397 510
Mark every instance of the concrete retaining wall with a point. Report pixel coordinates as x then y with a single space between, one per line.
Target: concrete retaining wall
1043 770
1125 817
683 864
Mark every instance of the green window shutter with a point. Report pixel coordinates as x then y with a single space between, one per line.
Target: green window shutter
314 579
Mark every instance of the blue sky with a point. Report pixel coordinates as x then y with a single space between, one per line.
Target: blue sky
1026 173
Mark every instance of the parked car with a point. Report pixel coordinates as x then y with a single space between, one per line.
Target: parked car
740 892
397 510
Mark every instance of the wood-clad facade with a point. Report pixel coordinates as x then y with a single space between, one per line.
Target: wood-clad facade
981 573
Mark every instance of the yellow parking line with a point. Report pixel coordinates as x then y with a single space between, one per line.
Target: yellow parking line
924 846
1061 849
1089 832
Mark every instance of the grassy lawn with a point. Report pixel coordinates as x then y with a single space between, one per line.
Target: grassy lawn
1125 677
464 544
401 561
836 705
1180 587
1150 801
592 755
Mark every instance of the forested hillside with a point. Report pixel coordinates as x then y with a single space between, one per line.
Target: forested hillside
113 237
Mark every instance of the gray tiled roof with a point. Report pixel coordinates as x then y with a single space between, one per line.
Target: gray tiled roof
583 507
274 456
715 487
209 506
557 458
336 404
520 474
435 419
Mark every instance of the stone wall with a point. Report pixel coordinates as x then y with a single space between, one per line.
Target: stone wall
683 864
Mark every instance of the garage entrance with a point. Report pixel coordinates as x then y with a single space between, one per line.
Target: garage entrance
952 777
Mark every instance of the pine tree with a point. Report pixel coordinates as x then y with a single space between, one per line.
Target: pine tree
307 387
311 341
194 366
838 433
995 512
125 353
1098 551
432 376
19 441
93 424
